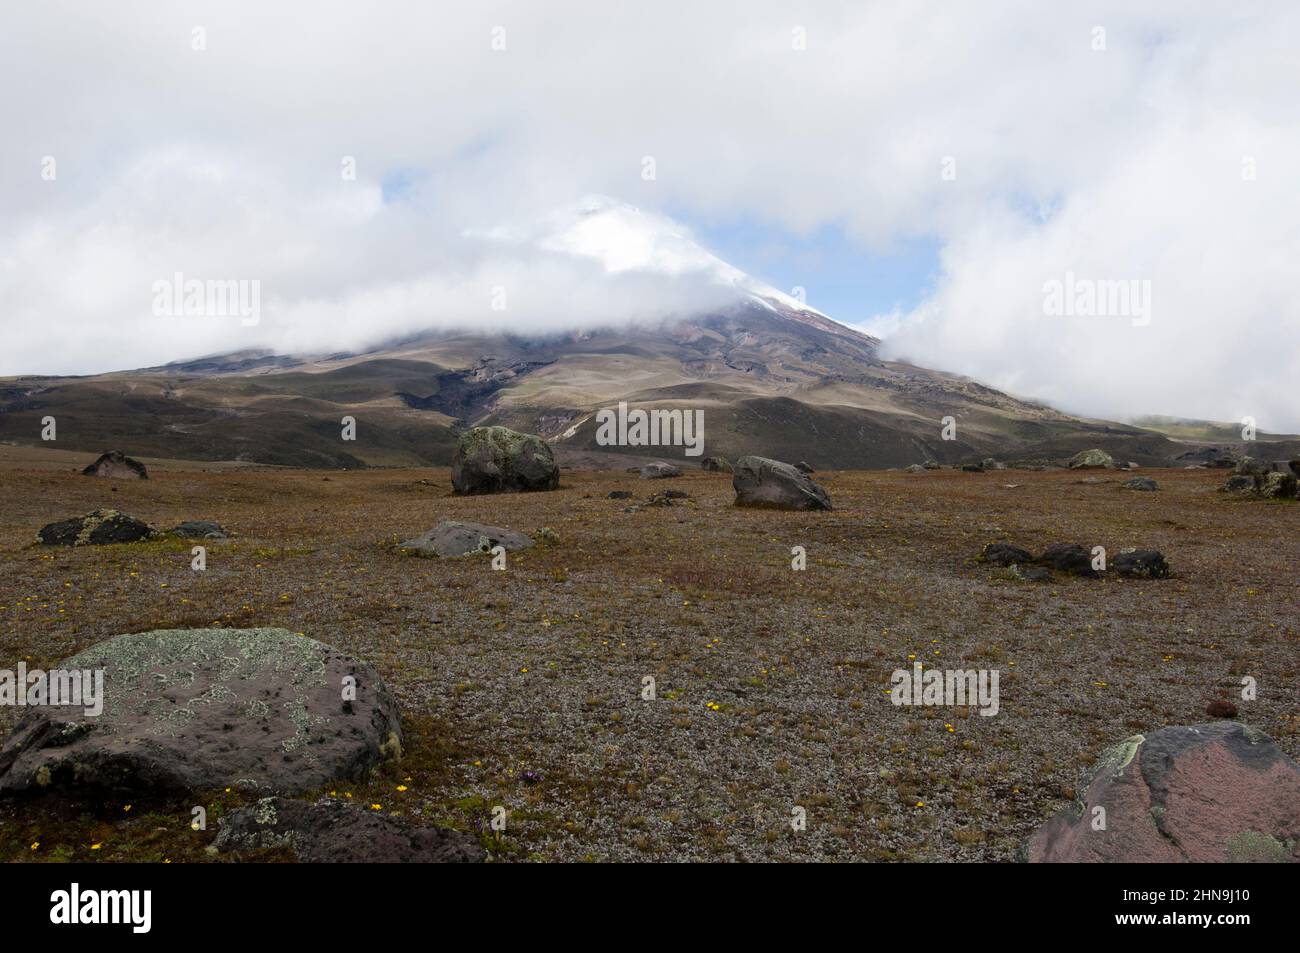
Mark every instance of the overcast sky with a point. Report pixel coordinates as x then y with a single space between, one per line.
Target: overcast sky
922 169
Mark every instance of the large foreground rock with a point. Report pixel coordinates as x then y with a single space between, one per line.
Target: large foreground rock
450 538
1206 793
100 528
195 709
759 481
500 460
1091 460
332 831
117 465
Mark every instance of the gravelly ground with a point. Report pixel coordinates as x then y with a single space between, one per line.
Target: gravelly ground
770 682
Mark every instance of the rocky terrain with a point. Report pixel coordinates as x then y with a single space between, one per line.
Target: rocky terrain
526 689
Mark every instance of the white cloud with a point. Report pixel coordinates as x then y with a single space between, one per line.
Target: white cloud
225 163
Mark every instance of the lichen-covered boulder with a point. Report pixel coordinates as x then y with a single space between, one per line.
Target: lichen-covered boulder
196 709
116 465
1239 483
500 460
1252 467
450 538
1091 460
334 831
100 528
1217 792
761 482
1278 486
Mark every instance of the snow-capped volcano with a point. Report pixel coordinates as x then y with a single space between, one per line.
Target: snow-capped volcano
623 239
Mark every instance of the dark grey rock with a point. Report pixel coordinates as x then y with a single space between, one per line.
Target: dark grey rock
117 465
1068 557
1004 554
200 529
1142 563
100 528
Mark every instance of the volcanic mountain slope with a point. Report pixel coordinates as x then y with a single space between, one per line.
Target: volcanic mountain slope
771 375
769 379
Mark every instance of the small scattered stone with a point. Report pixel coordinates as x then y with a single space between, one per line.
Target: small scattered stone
659 471
1141 563
1141 483
1004 554
1221 708
200 529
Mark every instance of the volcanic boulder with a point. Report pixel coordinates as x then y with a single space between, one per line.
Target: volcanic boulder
200 529
1004 554
100 528
1278 486
1142 563
1141 483
450 538
761 482
333 831
659 471
1217 792
1091 460
715 464
1068 557
1240 483
500 460
196 709
117 465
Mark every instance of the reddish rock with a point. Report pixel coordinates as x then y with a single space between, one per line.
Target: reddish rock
1218 792
1221 708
